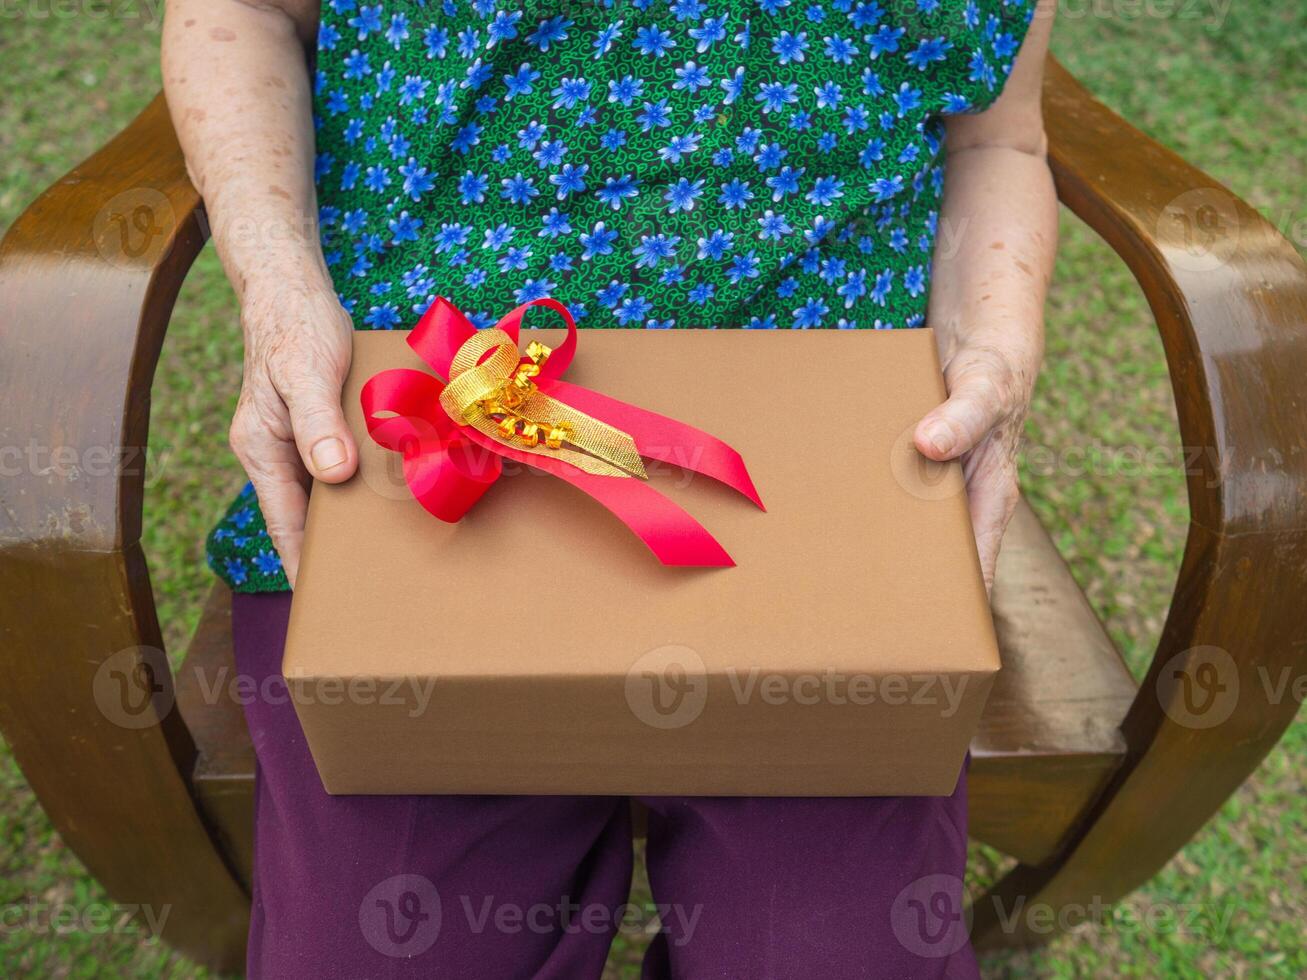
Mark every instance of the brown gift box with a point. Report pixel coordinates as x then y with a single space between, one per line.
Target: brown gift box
538 647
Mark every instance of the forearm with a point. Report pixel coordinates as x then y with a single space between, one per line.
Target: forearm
996 243
998 223
993 260
238 90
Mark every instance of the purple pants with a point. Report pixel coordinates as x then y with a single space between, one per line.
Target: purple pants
536 886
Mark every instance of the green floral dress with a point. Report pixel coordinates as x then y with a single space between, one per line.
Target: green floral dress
762 164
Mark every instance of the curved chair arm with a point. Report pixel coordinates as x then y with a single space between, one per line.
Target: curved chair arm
88 277
1230 298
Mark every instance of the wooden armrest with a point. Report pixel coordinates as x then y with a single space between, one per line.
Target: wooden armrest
1230 298
88 277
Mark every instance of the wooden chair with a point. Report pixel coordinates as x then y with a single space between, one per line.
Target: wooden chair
1091 781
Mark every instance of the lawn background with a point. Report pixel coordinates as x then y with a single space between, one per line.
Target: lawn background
1220 83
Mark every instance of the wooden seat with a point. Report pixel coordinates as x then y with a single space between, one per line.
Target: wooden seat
1090 782
1051 732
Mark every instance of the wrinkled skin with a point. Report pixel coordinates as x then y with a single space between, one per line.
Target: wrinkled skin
288 420
989 395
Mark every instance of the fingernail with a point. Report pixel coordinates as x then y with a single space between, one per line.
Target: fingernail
940 436
328 453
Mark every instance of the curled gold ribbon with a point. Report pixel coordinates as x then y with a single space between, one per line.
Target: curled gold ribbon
497 397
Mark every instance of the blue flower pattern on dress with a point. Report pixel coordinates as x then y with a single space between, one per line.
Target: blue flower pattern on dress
763 164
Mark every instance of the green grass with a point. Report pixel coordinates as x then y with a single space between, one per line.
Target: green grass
1226 92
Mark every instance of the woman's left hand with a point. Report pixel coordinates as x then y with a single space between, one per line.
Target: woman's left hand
990 374
990 272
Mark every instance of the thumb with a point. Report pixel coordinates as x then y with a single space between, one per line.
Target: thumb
973 408
321 435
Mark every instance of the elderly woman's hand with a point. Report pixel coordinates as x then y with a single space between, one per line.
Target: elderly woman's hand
990 375
288 423
990 272
250 153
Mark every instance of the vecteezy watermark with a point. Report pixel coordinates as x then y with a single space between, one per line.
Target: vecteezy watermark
1284 683
391 476
411 693
148 12
1199 687
929 916
668 688
567 916
1206 920
96 918
920 476
1126 461
1199 229
133 229
1211 13
404 916
401 916
839 687
133 687
81 462
1288 221
928 480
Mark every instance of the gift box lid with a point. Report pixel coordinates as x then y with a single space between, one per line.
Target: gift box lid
862 560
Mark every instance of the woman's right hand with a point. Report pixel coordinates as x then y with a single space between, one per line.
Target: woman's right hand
242 110
288 424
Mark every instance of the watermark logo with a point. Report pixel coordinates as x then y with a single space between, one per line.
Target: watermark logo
1204 224
920 476
401 916
132 688
929 917
131 230
1199 687
667 687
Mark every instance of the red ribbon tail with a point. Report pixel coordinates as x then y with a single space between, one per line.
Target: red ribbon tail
670 533
659 437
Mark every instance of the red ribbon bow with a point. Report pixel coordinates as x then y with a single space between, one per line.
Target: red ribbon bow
448 464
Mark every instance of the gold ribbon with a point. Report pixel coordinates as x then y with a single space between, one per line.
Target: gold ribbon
498 397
